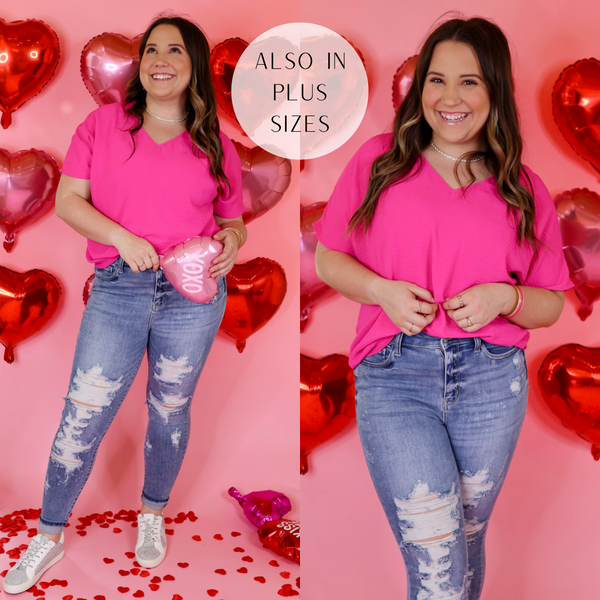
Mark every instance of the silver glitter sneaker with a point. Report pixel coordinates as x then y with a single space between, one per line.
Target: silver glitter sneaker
37 559
151 545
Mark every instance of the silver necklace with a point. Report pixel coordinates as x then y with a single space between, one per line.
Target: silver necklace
456 159
170 120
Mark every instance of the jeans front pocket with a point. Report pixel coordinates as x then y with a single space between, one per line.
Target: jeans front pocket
383 358
496 352
110 272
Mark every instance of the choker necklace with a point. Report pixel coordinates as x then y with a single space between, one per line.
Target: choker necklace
452 157
179 120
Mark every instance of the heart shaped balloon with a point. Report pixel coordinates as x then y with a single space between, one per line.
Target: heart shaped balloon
570 382
263 506
265 178
108 62
283 537
255 291
403 79
28 182
326 401
186 268
87 289
27 302
312 289
29 53
223 59
576 108
579 218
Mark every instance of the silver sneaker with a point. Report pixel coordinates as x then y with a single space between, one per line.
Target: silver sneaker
37 559
151 545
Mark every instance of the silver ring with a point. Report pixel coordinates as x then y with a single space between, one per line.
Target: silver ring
469 324
462 302
230 247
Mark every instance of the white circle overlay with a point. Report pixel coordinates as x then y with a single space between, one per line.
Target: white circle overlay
300 91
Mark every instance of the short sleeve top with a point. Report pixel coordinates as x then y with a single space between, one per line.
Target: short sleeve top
442 239
163 193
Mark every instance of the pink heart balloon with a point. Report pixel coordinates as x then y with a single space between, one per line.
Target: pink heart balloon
403 80
108 62
186 267
312 289
28 182
265 178
579 218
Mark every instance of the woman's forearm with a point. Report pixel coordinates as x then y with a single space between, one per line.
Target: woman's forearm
541 308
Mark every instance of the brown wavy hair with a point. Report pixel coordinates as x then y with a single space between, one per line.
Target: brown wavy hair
202 123
412 134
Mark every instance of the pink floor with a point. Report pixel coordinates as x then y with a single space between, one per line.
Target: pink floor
208 556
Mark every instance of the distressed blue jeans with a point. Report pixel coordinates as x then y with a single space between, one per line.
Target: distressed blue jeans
439 421
127 315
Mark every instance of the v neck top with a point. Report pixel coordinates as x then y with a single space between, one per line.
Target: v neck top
163 193
442 239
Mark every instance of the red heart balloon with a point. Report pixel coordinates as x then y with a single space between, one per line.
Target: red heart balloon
569 379
576 104
255 291
283 537
265 178
326 401
312 289
29 53
579 218
108 62
28 182
223 59
27 302
87 289
402 80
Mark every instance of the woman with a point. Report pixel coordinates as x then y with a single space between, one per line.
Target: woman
139 178
452 247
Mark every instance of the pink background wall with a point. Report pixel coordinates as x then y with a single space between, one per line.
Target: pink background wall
542 538
245 413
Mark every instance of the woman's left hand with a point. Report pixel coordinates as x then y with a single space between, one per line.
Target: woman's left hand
479 305
225 261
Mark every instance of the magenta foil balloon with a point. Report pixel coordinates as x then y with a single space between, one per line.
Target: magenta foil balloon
28 182
187 268
261 507
108 62
312 289
265 178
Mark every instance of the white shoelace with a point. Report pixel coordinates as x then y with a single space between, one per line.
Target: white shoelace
151 531
32 553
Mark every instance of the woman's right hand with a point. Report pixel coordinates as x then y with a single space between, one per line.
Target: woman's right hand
409 307
137 252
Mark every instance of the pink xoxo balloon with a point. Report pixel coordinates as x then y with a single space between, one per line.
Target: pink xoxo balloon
265 178
186 267
108 62
28 182
403 80
312 289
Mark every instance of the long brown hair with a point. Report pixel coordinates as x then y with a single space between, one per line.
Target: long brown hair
412 134
202 123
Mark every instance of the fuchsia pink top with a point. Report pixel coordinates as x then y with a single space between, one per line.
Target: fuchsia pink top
164 193
433 236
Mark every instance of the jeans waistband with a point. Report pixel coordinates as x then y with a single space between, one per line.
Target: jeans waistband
424 340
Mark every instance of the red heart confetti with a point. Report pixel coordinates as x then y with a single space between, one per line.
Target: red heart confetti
297 582
123 590
123 572
168 520
81 532
260 579
286 590
169 531
69 597
145 574
154 587
138 594
117 530
136 564
130 554
238 549
169 578
212 592
197 538
135 571
99 598
285 574
273 563
177 597
218 536
108 560
183 565
221 571
44 585
242 570
235 533
156 579
248 558
39 593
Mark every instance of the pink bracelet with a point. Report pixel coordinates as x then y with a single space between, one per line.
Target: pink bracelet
519 305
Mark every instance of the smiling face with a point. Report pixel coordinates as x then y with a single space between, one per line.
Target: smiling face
456 102
166 66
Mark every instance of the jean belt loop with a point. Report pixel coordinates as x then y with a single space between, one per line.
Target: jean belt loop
120 262
477 341
398 349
